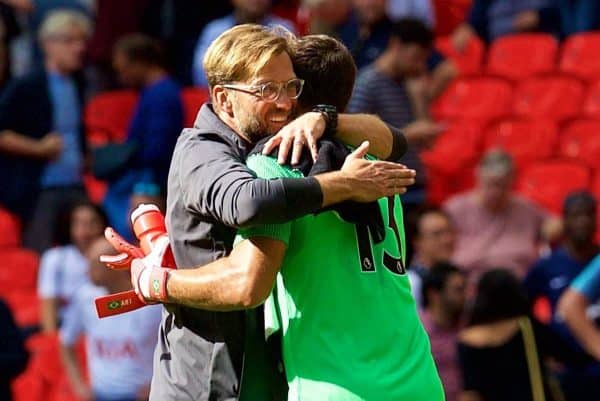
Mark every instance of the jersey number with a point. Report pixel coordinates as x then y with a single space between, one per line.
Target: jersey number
365 250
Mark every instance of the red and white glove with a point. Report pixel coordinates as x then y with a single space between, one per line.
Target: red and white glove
148 278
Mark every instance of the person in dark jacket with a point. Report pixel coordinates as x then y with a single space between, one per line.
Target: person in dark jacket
42 146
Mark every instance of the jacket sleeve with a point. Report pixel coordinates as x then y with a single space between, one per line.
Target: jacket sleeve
214 181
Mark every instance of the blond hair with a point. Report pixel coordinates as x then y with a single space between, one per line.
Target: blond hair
57 22
239 53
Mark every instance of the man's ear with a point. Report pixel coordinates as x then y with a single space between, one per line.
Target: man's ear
222 99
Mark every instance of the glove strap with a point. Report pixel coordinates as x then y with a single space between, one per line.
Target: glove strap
158 284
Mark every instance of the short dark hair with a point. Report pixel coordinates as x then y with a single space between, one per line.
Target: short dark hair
328 69
140 48
411 30
499 297
436 279
413 222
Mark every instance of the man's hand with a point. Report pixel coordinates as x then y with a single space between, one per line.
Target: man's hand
50 146
148 278
305 130
372 180
422 133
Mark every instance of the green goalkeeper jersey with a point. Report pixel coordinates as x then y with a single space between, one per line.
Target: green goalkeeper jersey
350 325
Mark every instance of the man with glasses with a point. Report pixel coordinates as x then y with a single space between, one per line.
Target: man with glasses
42 145
254 89
244 279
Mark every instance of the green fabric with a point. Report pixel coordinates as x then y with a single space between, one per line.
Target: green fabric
350 330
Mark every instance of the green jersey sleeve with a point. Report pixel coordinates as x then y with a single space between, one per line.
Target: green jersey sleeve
267 167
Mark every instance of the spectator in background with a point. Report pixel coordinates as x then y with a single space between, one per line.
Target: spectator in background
433 242
41 136
490 19
64 269
494 226
551 275
13 356
156 123
501 350
579 309
245 12
381 89
119 349
444 300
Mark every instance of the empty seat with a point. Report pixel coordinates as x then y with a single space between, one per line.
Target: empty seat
525 140
25 306
556 98
478 99
10 229
470 60
107 116
581 140
580 55
19 269
193 99
451 160
548 183
591 104
521 56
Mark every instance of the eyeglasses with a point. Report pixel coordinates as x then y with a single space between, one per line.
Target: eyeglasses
270 91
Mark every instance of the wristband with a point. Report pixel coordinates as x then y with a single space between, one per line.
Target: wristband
330 114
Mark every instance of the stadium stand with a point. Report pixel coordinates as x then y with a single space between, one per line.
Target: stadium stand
525 140
107 116
580 140
451 160
469 61
10 229
556 98
591 104
520 56
580 56
464 100
548 182
192 99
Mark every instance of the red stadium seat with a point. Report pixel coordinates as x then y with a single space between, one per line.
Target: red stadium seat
549 182
555 98
449 14
581 140
469 61
25 306
520 56
591 105
450 162
10 229
580 56
525 140
19 269
107 116
192 99
95 188
477 99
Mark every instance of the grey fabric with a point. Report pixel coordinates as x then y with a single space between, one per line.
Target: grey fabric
210 192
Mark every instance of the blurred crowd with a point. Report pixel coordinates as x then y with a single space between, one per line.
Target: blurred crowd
508 291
